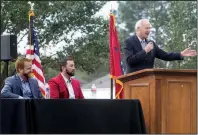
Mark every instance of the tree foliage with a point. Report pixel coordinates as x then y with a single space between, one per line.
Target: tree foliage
72 25
181 31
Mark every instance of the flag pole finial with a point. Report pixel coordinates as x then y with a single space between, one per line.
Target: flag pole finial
31 5
31 12
113 10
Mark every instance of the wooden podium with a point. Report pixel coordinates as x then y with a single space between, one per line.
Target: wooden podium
168 98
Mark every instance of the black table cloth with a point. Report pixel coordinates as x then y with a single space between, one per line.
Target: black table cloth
101 116
13 116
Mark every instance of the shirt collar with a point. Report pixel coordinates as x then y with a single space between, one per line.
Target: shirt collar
21 78
140 39
65 78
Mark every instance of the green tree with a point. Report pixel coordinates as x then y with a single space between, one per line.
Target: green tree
181 31
61 22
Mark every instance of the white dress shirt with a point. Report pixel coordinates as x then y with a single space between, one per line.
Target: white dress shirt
143 42
69 87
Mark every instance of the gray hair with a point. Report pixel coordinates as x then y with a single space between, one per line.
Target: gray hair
139 23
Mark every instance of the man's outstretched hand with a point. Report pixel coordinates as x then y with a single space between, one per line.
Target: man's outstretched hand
188 52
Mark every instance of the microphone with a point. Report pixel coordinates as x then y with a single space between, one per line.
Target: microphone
148 41
151 52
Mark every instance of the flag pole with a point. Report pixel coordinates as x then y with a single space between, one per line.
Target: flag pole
111 77
31 13
111 88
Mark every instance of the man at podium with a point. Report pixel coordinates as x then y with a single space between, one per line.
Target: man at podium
140 52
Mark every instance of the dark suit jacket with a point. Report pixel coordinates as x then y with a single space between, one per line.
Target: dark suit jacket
58 88
13 88
137 59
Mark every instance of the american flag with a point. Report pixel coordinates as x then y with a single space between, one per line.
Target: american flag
32 52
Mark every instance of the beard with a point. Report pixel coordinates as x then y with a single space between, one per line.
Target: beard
25 74
70 73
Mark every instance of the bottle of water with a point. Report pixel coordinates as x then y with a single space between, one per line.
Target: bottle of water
93 91
93 88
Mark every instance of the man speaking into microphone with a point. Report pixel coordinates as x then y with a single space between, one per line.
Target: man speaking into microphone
140 53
